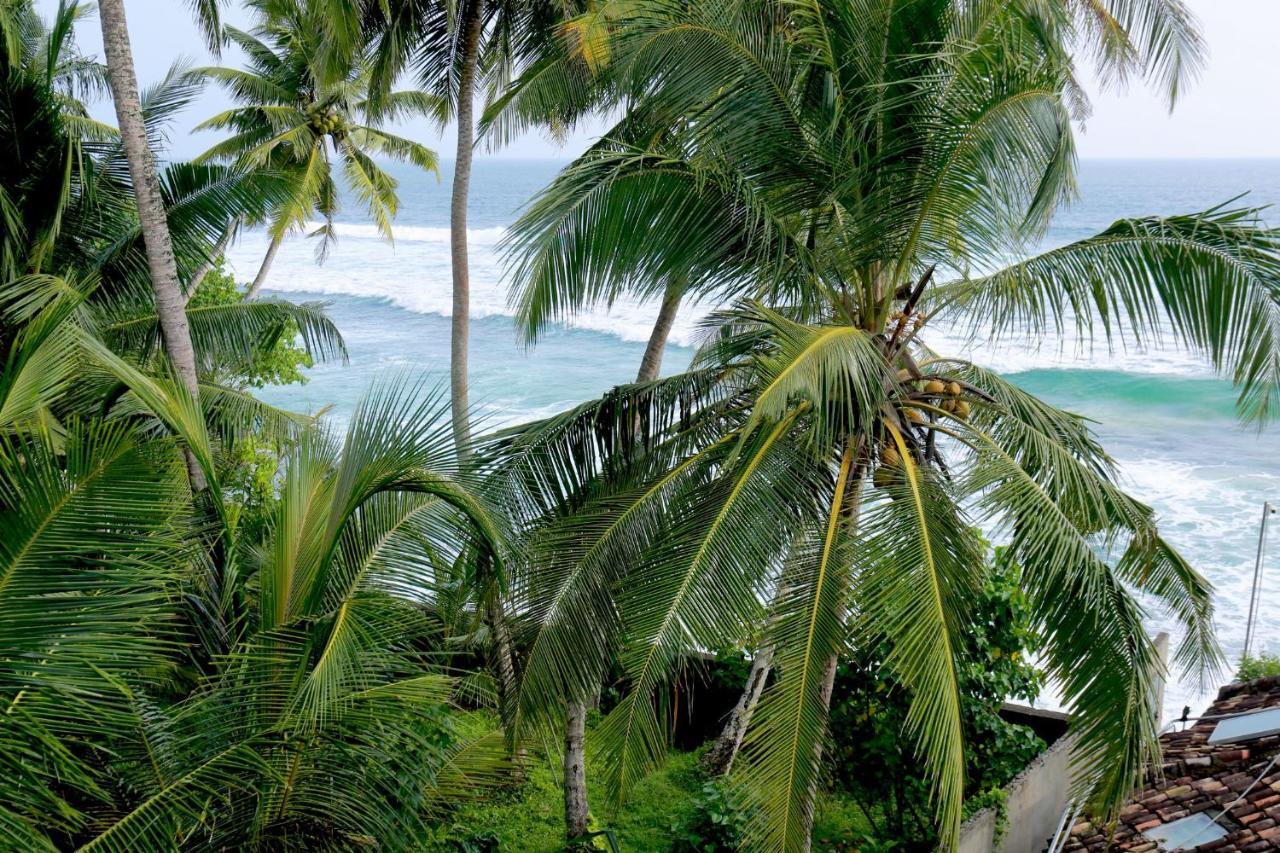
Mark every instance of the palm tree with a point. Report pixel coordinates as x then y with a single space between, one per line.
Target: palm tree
818 455
1158 39
321 718
454 49
297 116
150 204
173 676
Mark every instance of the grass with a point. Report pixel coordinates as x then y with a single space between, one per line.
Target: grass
655 817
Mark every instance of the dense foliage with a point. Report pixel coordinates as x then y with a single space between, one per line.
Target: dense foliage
1261 666
879 769
243 663
228 626
277 359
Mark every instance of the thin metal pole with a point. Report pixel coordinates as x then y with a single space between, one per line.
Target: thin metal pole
1267 511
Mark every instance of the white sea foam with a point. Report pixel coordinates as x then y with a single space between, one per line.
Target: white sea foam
414 274
1210 514
413 233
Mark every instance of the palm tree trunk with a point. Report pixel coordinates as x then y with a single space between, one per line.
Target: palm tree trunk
577 814
852 509
170 303
651 363
824 697
203 270
461 316
267 261
718 760
505 664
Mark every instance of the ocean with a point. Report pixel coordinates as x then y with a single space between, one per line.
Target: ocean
1163 415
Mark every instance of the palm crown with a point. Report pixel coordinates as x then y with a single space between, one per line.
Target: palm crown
297 116
847 172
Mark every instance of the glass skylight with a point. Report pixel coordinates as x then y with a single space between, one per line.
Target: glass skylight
1185 833
1246 727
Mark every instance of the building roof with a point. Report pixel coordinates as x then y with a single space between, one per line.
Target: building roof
1201 778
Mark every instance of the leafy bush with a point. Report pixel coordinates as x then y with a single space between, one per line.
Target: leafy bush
716 824
251 462
278 361
873 760
1262 666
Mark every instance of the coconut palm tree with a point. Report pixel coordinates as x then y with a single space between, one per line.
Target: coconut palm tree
456 49
846 184
1157 40
297 116
453 49
150 203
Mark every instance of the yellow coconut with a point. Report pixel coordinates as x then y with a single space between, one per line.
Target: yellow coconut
962 409
935 386
954 389
915 416
889 456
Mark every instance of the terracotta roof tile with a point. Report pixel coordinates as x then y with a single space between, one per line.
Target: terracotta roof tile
1196 777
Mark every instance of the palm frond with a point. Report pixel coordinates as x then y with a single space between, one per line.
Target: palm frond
1209 281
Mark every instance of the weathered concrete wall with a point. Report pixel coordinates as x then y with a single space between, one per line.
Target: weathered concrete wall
1036 799
1038 795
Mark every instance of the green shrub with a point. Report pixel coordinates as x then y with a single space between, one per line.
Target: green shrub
872 755
716 824
250 464
279 361
1262 666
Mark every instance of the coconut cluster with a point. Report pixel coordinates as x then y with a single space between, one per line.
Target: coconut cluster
325 119
947 395
950 394
909 321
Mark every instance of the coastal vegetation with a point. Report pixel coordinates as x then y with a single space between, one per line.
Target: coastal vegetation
227 625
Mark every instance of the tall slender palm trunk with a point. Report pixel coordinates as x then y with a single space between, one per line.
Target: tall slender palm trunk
505 665
265 268
651 363
850 510
201 271
461 318
170 303
824 696
577 813
576 807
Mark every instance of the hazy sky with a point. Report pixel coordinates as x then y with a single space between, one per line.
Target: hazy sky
1233 111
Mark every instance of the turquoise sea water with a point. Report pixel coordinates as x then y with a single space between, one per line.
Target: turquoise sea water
1162 414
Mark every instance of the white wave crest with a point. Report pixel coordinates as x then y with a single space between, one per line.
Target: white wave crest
413 233
414 274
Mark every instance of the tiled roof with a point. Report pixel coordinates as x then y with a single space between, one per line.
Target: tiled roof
1198 777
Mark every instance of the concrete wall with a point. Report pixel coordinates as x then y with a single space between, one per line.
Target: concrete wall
1038 795
1036 799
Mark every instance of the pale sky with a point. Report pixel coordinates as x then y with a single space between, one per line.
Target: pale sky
1233 110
